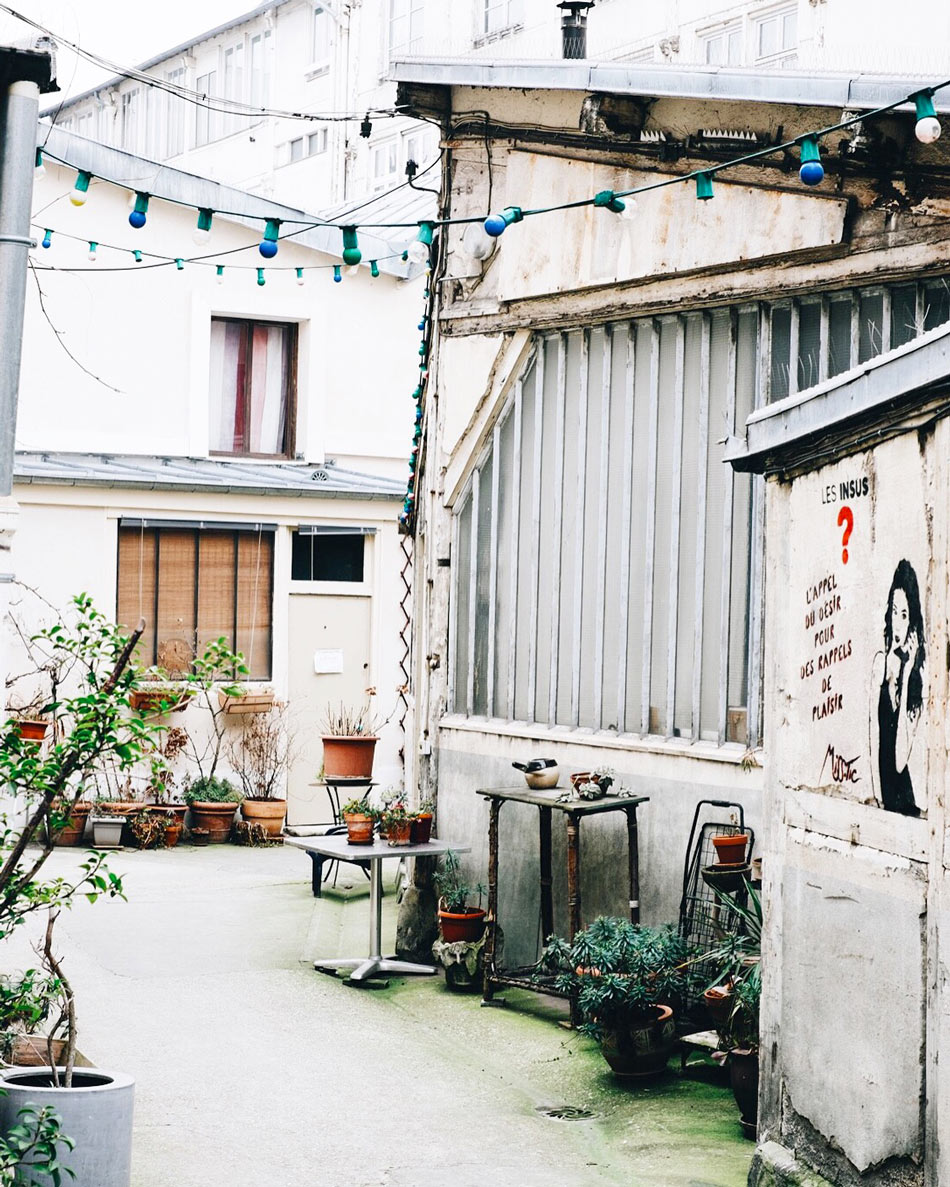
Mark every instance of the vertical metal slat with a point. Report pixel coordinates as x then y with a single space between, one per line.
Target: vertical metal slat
824 341
699 588
885 320
626 527
493 568
580 497
854 349
456 571
793 348
600 611
515 550
725 594
650 528
559 432
472 595
676 463
535 534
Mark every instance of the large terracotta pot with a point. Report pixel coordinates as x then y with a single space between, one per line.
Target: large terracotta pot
462 927
269 814
72 831
730 850
348 757
640 1049
216 818
744 1079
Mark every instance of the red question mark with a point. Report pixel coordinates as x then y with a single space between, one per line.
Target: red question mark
846 517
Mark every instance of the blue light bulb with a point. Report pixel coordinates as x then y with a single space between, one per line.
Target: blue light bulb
812 173
137 219
495 225
268 248
47 239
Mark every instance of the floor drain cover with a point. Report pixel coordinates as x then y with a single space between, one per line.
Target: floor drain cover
565 1113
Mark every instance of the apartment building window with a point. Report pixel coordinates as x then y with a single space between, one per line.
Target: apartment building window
261 59
501 15
317 142
421 146
155 108
722 47
175 111
205 119
86 124
233 83
252 385
776 35
319 40
194 583
302 147
130 104
405 27
328 553
385 165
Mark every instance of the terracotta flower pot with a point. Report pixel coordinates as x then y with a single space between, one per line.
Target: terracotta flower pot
719 1002
72 831
465 927
744 1079
269 814
348 757
176 823
640 1049
421 831
216 818
400 832
730 850
359 829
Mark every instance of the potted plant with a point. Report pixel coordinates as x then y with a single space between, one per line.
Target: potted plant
349 739
396 822
626 980
243 700
213 802
88 665
67 821
163 784
160 697
261 758
360 820
730 848
32 719
149 827
592 785
459 921
421 821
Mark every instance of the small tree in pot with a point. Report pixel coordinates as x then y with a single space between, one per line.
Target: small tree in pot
459 921
627 980
261 758
213 802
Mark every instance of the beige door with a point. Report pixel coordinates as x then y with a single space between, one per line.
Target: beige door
330 647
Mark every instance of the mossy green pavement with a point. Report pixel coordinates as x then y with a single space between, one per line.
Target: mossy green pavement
252 1069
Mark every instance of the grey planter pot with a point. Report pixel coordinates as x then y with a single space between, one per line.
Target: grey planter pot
107 831
96 1113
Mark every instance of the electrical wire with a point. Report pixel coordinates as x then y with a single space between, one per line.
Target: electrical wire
58 334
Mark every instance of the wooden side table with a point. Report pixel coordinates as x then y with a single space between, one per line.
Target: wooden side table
547 802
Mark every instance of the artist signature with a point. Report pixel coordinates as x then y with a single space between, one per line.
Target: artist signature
843 770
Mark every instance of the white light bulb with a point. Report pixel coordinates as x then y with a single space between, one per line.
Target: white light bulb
200 236
927 130
78 197
39 172
93 256
477 243
300 279
418 252
629 209
352 270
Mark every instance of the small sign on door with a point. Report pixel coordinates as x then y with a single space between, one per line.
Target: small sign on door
328 661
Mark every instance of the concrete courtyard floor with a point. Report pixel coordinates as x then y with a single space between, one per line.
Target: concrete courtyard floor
253 1070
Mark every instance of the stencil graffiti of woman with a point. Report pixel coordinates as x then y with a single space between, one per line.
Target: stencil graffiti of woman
897 694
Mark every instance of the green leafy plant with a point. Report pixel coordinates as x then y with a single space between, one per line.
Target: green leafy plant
736 963
359 807
211 789
452 890
149 827
88 680
617 971
34 1142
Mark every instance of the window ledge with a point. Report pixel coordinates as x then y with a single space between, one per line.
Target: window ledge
496 35
316 70
729 753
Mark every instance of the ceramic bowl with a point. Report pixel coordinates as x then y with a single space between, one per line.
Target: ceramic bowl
541 780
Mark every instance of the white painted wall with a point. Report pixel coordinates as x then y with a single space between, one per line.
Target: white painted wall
146 332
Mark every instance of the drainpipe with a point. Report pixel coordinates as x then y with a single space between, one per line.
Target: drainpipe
574 27
19 110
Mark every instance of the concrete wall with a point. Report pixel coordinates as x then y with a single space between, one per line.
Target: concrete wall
855 989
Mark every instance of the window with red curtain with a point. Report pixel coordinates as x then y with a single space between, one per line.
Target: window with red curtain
252 387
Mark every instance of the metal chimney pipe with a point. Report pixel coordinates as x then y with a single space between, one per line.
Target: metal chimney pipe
574 27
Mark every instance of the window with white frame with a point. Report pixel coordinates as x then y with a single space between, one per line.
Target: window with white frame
723 46
130 107
319 39
205 118
302 147
260 47
252 392
175 114
420 145
86 124
405 27
233 83
385 165
776 35
501 15
329 553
